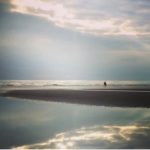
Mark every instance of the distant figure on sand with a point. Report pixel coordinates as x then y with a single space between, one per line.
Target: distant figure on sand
105 84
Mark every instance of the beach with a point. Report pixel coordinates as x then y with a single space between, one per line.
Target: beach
116 97
74 114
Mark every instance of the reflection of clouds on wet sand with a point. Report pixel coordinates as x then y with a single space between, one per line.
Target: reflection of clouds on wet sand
117 136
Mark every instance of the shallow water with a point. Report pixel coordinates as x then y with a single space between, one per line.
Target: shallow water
36 124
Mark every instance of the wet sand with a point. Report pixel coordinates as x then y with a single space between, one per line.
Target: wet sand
118 98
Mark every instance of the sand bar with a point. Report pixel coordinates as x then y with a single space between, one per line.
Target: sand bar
119 98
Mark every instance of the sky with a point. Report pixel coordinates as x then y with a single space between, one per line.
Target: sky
75 39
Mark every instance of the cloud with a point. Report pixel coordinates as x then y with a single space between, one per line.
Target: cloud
108 136
97 17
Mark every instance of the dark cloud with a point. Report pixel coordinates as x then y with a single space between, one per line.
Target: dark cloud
5 5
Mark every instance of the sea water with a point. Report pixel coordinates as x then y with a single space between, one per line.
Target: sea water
72 84
37 124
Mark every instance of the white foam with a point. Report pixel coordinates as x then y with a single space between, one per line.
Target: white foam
87 84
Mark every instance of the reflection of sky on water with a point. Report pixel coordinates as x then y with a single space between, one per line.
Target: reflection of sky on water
33 124
128 136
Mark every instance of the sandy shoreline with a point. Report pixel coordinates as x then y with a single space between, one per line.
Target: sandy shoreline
120 98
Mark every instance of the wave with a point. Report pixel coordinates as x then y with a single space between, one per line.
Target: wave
70 83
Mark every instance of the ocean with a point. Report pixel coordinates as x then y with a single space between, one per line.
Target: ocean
72 84
37 124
